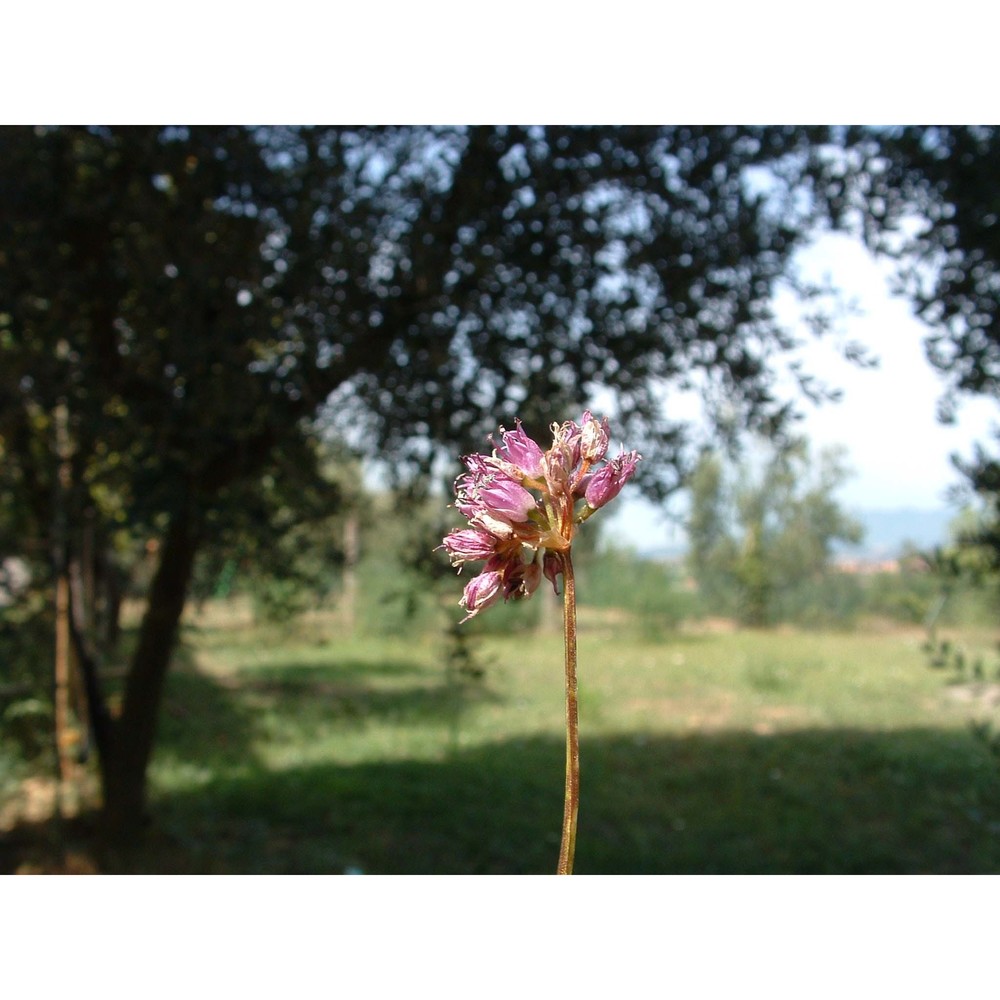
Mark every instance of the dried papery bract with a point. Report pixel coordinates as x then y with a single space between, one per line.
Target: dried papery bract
523 506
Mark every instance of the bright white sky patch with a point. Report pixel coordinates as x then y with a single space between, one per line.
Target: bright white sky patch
887 418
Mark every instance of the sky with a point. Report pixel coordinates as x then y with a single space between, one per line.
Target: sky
898 451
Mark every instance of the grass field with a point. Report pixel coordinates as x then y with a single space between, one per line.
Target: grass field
707 750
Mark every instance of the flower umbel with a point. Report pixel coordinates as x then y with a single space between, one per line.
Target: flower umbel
523 505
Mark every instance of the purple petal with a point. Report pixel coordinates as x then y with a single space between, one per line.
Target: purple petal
520 451
469 545
607 483
480 592
506 499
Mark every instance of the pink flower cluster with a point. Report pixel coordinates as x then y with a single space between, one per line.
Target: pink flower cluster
521 504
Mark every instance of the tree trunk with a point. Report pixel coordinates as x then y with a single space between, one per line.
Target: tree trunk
123 769
352 550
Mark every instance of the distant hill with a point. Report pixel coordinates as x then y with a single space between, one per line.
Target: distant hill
888 531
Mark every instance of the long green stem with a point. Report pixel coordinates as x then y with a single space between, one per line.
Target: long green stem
572 798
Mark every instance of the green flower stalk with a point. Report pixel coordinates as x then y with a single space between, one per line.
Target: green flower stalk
523 506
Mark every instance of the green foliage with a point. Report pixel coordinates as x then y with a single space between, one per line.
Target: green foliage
286 545
27 723
648 592
27 637
911 596
712 552
974 671
762 541
971 558
278 601
396 599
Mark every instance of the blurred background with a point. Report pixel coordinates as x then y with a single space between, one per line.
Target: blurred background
238 368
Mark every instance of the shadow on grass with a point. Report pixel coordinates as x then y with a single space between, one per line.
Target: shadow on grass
806 801
837 801
215 723
326 668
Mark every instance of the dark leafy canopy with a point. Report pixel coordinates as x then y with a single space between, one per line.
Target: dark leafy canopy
928 197
211 286
521 269
126 266
177 303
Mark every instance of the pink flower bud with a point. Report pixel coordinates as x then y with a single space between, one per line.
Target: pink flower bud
607 483
469 545
556 467
480 592
566 439
552 567
520 451
521 580
593 437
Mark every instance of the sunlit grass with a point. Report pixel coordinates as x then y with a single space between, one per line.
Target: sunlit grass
702 751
